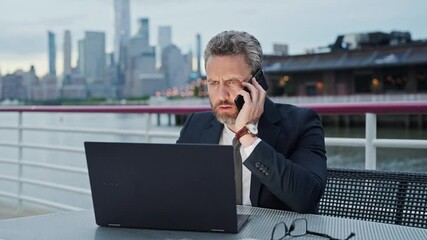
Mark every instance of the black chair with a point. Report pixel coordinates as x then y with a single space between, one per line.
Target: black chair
380 196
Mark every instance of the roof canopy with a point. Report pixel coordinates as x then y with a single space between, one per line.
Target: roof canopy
365 58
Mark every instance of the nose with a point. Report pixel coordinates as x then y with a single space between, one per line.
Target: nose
223 92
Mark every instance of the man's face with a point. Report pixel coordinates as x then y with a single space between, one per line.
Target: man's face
224 76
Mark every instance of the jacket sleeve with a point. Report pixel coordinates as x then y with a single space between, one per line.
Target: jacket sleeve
300 179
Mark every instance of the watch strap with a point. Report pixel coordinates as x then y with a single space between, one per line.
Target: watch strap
242 132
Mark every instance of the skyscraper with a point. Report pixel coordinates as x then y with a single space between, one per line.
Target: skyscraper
92 57
174 67
67 53
164 40
144 31
140 62
81 59
52 53
122 26
165 36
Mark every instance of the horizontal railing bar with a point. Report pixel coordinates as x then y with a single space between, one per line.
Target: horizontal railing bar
40 201
8 144
108 109
56 186
50 203
9 195
47 184
345 142
102 131
9 178
9 127
55 167
50 147
394 107
391 107
400 143
8 161
380 143
45 165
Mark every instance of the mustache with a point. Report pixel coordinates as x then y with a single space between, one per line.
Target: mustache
225 102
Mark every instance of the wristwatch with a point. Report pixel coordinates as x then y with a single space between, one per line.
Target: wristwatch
250 128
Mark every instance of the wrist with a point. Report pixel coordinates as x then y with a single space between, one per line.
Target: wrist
247 134
247 140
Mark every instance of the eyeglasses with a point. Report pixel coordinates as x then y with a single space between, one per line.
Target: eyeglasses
298 228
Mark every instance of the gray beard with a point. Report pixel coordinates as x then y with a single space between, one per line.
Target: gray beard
225 119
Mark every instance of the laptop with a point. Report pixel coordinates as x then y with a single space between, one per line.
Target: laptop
164 186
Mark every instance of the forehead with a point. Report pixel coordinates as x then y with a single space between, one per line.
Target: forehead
226 66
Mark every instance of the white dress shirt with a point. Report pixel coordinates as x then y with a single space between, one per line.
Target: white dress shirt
227 137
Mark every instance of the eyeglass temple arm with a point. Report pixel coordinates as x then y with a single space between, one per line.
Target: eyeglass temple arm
321 235
350 236
327 236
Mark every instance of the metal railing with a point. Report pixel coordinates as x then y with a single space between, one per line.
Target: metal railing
370 142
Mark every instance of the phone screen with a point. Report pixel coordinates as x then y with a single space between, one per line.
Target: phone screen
259 76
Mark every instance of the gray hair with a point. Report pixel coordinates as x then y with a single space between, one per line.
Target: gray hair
229 43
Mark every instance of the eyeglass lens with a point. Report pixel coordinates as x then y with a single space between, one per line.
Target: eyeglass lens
298 227
279 231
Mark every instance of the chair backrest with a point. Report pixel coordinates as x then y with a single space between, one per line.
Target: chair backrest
380 196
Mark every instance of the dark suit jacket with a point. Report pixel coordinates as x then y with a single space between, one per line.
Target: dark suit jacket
288 166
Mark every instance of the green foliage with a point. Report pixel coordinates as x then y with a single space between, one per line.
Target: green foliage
143 98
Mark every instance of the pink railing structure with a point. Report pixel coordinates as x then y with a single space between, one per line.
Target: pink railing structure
370 142
324 108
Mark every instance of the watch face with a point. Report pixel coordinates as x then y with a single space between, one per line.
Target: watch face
252 128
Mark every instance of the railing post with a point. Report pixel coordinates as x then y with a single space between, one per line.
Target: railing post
147 127
20 166
371 135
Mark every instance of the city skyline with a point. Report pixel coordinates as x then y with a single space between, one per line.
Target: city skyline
299 24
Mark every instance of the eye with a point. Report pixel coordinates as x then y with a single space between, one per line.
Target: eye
233 82
212 83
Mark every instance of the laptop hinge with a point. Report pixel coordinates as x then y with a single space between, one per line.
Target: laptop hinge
114 224
217 230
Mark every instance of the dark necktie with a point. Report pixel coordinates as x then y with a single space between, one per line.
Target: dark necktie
238 171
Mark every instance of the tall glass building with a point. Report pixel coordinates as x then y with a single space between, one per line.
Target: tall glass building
122 26
67 52
92 57
52 53
144 31
164 40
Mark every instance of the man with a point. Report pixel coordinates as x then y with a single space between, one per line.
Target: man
284 163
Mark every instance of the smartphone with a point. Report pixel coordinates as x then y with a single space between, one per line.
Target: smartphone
259 76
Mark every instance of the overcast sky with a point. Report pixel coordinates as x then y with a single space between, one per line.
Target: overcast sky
302 24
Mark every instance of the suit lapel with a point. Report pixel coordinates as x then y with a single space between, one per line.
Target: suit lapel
212 133
269 130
